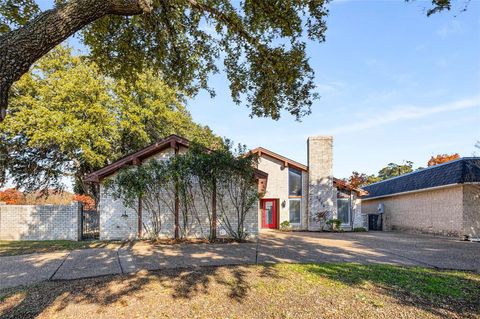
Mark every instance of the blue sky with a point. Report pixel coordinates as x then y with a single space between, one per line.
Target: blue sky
395 85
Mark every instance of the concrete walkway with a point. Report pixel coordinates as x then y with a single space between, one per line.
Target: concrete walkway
273 247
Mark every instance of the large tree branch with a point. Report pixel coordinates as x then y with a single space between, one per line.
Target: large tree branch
20 48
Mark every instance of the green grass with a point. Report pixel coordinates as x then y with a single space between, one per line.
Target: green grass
10 248
422 282
298 291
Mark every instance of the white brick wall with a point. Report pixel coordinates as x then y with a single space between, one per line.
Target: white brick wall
437 211
40 222
114 226
277 188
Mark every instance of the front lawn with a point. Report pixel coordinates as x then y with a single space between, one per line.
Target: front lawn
264 291
20 247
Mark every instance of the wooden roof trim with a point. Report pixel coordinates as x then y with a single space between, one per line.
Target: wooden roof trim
286 161
136 158
173 141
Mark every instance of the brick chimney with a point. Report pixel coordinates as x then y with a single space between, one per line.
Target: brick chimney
321 193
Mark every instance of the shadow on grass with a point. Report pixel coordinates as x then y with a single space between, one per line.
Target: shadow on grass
441 293
426 288
31 301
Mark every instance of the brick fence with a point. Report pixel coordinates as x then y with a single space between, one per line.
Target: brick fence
40 222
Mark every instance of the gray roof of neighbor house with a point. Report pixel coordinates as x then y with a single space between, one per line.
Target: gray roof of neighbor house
460 171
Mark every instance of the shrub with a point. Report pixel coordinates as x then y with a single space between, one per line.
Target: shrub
334 224
285 226
359 229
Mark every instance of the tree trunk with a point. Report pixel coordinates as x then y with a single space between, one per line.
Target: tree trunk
20 48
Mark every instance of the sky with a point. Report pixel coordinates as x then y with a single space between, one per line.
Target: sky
395 85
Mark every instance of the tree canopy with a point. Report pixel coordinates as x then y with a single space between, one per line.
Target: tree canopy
442 158
67 118
262 43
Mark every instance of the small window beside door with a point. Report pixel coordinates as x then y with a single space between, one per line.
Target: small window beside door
344 208
294 211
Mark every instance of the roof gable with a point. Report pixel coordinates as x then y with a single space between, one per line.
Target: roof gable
172 141
460 171
338 183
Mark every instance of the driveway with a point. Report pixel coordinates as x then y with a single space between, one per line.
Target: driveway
305 247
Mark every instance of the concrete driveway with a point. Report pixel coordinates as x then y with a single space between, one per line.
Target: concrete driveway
273 247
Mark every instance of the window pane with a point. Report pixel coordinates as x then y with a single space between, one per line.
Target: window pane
343 210
269 213
295 211
294 182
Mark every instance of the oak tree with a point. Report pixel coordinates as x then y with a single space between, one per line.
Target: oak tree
262 43
68 119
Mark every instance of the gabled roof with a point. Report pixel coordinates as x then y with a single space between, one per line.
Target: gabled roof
461 171
286 161
172 141
340 184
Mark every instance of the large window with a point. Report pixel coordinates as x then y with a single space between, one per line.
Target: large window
343 207
294 182
294 211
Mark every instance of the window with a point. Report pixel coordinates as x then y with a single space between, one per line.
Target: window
294 211
294 182
343 207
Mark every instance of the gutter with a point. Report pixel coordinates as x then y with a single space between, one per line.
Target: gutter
420 190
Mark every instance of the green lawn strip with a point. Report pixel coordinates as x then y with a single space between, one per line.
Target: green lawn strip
11 248
423 282
266 291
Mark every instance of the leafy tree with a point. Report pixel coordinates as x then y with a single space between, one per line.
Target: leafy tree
442 158
11 196
261 43
87 201
68 119
361 179
393 170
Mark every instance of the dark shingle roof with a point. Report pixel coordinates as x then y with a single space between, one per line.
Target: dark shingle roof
460 171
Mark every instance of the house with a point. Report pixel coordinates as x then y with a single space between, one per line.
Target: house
296 192
120 222
291 191
442 199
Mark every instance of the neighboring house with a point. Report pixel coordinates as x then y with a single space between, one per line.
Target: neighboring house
442 199
296 192
120 222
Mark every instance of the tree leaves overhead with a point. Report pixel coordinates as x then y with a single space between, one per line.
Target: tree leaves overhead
260 43
15 13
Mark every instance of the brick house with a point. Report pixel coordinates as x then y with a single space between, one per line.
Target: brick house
120 222
306 188
295 192
442 199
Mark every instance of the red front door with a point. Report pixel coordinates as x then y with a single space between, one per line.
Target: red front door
269 213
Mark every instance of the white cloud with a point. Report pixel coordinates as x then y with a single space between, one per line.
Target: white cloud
451 28
405 112
330 87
